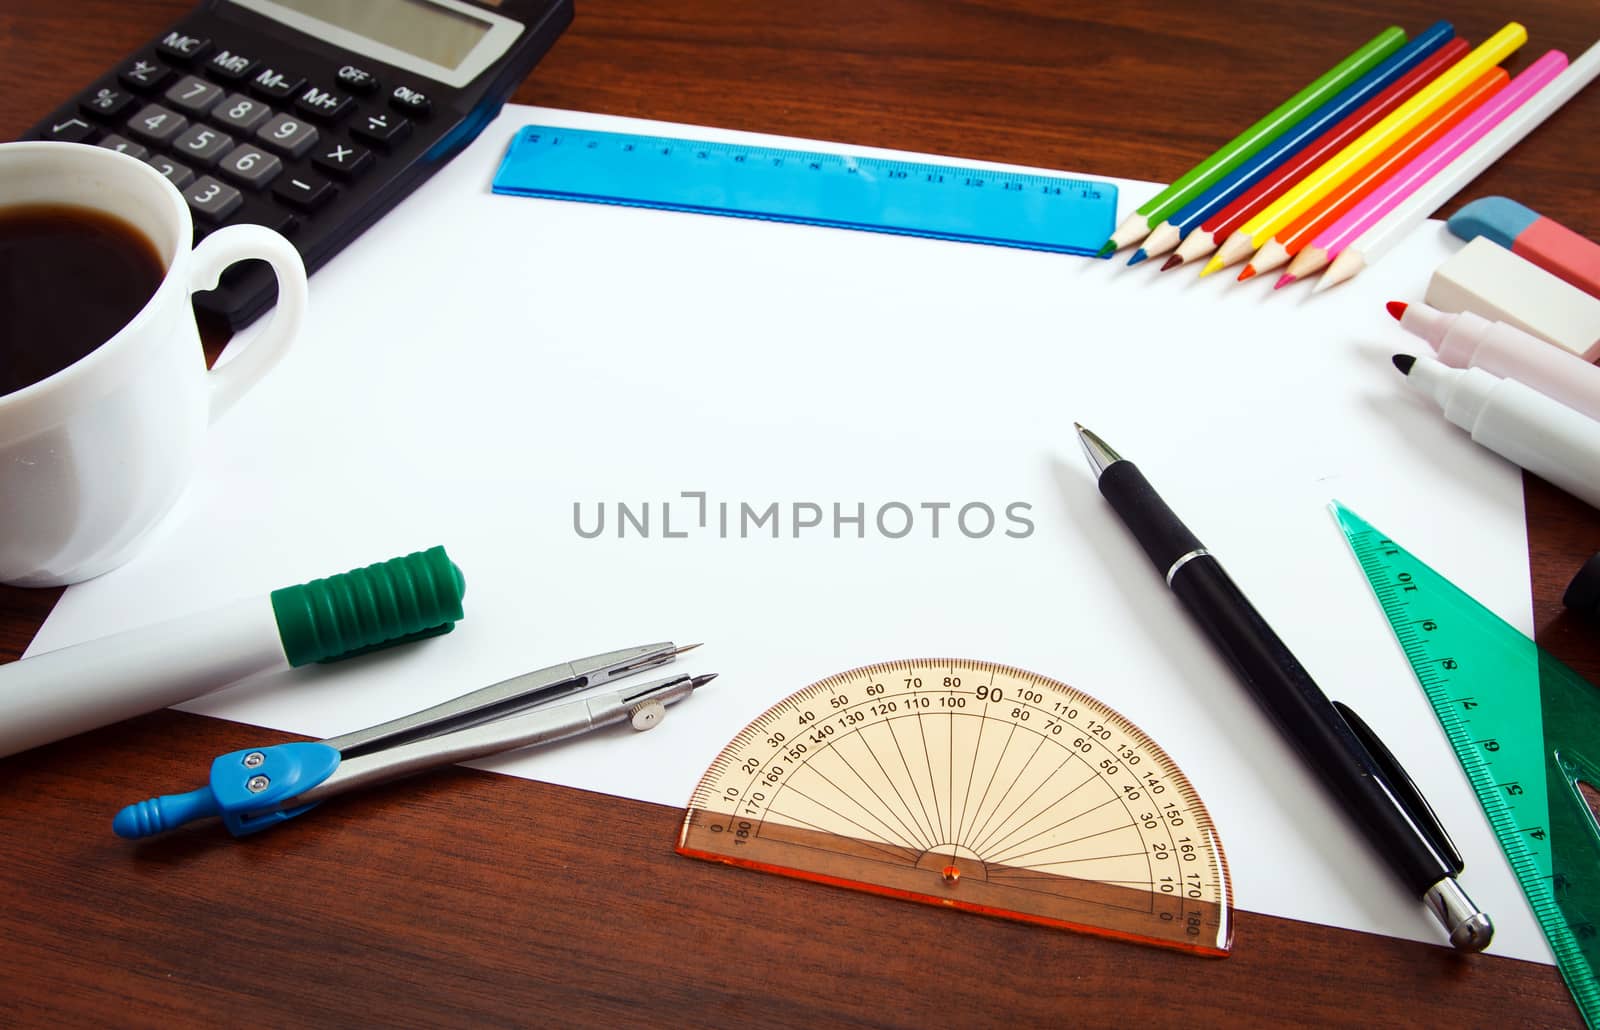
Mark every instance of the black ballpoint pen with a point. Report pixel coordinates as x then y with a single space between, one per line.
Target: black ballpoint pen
1352 763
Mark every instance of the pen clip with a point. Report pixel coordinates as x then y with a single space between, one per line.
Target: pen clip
1401 786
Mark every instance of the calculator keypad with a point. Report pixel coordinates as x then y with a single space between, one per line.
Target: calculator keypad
212 200
250 167
225 125
257 121
156 124
239 112
195 96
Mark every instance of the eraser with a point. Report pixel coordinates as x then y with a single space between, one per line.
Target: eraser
1528 234
1489 280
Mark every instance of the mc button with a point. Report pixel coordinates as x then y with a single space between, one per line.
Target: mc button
183 47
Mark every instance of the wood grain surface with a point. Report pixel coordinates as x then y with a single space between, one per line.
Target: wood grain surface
464 898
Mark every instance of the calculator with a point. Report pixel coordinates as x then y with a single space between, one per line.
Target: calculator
311 117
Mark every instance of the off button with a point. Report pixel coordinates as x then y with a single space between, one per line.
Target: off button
410 100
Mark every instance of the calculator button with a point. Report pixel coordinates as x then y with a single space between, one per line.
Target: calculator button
413 101
212 200
306 192
202 145
275 84
123 145
176 173
68 130
250 167
385 128
225 64
144 74
196 96
183 47
345 160
357 80
321 103
292 136
238 111
156 124
106 102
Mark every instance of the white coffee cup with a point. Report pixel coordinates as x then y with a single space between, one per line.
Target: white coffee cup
93 457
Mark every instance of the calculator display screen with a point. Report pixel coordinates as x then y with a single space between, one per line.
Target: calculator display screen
437 34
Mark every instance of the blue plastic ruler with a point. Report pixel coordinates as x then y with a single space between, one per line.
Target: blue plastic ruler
1008 209
1526 729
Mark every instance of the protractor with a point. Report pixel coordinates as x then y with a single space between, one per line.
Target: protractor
974 786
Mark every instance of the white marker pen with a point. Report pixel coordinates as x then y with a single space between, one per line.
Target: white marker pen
1515 421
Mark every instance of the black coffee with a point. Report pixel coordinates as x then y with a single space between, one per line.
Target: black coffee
70 278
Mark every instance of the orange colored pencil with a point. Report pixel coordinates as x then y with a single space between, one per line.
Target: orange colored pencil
1202 241
1289 241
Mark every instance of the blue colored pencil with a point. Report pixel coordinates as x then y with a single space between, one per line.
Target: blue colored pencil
1170 232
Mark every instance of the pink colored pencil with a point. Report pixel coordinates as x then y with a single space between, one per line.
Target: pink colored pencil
1334 239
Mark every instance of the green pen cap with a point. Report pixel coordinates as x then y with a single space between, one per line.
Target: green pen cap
392 602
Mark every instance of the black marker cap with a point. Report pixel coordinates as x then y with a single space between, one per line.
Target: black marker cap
1583 593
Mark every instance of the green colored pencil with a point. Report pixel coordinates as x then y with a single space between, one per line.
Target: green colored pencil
1205 174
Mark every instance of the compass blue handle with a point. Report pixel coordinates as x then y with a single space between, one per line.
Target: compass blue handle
157 815
245 789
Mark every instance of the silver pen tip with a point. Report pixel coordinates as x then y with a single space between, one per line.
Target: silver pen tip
702 679
1096 450
685 647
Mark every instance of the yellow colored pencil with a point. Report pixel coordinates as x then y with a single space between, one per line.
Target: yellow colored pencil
1352 158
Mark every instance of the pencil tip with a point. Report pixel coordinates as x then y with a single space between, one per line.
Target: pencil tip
1248 273
1172 262
1138 256
1283 280
1107 249
685 647
1397 308
1403 362
1211 266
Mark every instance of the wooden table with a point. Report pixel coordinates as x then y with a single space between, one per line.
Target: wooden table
471 898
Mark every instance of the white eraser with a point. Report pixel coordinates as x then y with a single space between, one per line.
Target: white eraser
1487 279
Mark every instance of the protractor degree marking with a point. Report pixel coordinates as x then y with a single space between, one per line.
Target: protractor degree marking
905 832
977 748
999 847
868 841
983 832
993 772
1016 858
928 835
912 779
933 788
1004 826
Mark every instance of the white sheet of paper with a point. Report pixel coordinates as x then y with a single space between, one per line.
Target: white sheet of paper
475 367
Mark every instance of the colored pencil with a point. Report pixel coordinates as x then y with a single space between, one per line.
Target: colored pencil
1202 241
1288 242
1336 169
1201 177
1421 167
1409 213
1168 234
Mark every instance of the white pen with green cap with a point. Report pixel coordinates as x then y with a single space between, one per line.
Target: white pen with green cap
98 682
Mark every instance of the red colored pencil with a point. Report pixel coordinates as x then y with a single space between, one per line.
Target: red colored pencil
1211 233
1289 241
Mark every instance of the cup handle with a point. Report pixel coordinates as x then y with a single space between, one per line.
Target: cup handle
231 378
